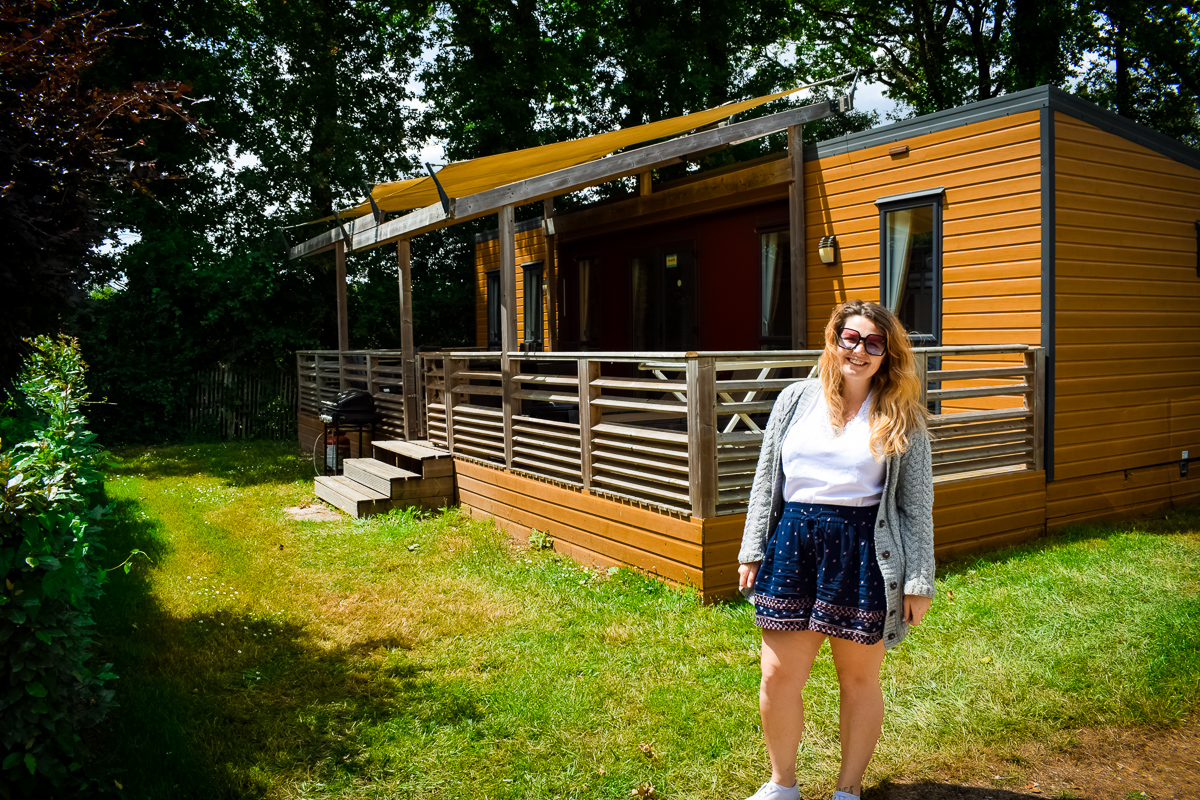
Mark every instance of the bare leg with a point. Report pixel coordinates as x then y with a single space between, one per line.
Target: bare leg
787 659
860 711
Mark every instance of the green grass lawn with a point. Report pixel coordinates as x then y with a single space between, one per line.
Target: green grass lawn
429 657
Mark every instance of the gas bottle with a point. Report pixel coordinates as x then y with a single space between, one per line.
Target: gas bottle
337 450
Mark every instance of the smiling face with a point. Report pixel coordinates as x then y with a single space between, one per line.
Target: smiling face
857 365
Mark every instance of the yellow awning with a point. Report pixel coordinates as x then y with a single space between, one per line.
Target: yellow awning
465 178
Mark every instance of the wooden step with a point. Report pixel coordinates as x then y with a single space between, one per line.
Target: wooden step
418 457
377 475
348 495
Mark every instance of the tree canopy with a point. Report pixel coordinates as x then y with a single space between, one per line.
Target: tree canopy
308 102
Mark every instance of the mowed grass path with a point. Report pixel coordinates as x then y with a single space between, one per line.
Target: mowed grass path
429 657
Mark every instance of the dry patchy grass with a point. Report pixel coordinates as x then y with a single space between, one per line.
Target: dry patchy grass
425 657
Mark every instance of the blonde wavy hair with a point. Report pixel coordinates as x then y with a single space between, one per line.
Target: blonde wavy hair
896 413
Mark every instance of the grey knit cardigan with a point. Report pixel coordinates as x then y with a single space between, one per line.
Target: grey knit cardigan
903 529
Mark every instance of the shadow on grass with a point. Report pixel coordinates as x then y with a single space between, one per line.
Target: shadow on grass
231 704
236 463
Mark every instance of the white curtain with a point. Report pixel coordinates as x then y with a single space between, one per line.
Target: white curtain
641 303
585 304
770 280
899 244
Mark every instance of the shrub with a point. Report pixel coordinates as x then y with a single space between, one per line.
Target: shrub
51 504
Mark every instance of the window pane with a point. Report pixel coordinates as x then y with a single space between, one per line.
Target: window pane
776 285
909 270
493 310
533 307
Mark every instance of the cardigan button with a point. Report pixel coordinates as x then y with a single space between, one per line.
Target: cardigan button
891 636
881 523
892 613
887 553
892 585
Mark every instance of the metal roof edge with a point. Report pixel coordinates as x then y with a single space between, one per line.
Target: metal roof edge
1113 123
1005 105
979 111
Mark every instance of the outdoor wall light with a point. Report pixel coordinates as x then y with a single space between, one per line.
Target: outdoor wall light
827 249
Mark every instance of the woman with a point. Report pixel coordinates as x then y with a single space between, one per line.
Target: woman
844 487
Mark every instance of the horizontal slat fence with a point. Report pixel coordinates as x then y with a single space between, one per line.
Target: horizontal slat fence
681 432
323 373
234 404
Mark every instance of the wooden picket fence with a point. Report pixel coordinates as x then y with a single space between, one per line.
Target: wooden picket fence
233 404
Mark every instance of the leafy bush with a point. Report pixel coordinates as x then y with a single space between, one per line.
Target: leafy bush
51 504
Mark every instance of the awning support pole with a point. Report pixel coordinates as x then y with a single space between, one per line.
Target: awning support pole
795 137
508 318
343 318
408 369
551 282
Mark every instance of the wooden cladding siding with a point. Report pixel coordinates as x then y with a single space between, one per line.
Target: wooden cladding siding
590 529
531 247
991 263
1125 405
969 515
985 513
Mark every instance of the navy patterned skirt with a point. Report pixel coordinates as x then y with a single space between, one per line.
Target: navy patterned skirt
819 573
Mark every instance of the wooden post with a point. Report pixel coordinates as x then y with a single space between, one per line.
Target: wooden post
1035 401
449 371
795 140
343 318
702 436
644 184
589 415
408 367
508 320
508 280
551 283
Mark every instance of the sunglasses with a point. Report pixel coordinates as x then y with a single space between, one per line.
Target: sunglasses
875 344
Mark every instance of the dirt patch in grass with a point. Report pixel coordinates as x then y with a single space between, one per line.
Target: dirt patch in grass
1101 764
312 512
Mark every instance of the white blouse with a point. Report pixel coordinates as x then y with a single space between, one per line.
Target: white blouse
820 466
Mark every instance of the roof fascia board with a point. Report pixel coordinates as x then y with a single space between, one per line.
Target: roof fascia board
1135 132
364 234
1006 105
325 241
633 161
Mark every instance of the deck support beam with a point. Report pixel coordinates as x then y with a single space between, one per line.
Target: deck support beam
508 318
408 359
343 317
795 137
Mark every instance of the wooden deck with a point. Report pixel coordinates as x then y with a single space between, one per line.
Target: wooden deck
646 460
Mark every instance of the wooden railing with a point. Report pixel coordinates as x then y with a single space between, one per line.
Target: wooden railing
324 373
682 432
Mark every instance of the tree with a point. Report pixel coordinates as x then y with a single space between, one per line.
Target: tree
61 141
1146 64
309 100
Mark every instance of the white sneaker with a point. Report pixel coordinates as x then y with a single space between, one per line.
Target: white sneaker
773 791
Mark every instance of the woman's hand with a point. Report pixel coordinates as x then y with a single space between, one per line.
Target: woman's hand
746 574
915 607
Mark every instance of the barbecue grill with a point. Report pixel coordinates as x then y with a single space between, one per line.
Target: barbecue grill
351 407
